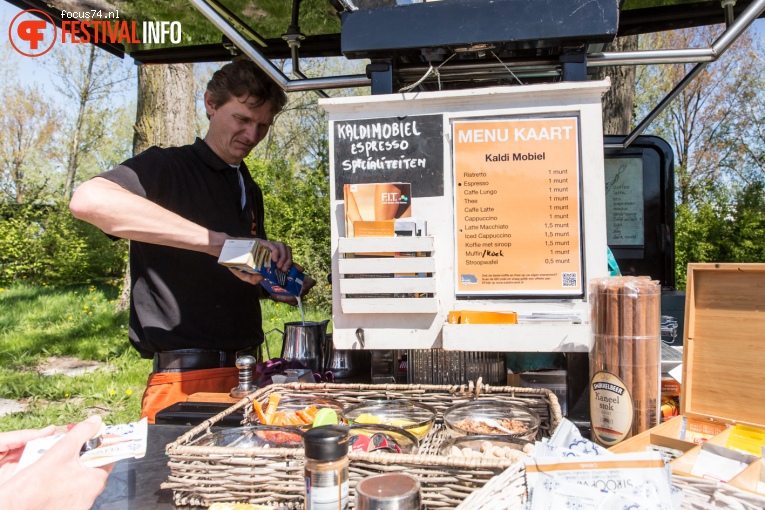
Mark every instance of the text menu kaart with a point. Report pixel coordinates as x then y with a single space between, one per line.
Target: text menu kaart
517 207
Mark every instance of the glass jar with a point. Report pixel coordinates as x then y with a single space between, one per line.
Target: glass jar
326 468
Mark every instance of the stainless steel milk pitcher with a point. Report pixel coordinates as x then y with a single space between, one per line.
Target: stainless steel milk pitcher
306 342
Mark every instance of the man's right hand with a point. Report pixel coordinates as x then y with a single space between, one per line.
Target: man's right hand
251 278
281 254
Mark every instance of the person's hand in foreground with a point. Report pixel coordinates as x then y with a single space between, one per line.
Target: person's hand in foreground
58 480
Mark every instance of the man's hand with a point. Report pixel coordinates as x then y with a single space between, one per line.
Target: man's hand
308 284
59 479
252 278
281 254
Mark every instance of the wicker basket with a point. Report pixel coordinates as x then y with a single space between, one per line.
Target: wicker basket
202 475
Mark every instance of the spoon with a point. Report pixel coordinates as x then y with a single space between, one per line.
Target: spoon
491 422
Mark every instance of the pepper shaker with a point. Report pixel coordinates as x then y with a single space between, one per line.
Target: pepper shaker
245 365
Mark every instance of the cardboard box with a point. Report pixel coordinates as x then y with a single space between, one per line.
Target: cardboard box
250 256
723 360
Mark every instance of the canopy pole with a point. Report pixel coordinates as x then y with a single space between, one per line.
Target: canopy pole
334 82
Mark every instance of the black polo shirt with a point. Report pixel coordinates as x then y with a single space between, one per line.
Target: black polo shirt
184 299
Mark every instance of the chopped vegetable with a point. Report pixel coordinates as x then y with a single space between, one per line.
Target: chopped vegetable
325 416
259 412
273 403
297 418
305 418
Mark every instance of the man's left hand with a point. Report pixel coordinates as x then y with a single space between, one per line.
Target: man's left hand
308 284
292 300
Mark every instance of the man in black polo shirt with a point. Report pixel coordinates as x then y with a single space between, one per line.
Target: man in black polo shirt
177 206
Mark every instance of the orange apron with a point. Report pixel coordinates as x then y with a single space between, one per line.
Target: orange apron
166 388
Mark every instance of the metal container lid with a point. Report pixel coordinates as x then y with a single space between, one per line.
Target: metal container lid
328 443
390 491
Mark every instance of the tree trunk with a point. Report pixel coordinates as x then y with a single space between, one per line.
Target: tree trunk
74 149
619 100
165 113
164 117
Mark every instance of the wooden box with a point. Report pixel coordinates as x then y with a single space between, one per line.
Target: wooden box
723 363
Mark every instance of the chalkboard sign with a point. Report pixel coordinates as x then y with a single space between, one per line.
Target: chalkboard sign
396 149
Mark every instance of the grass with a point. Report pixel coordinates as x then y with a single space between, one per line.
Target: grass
38 321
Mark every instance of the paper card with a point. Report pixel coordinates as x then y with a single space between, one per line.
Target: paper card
720 463
695 430
640 475
551 493
118 442
373 228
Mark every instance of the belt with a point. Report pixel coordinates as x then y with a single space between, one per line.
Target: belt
184 360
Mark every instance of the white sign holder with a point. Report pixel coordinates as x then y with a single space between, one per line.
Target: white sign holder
389 322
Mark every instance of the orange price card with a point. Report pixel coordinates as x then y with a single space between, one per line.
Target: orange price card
517 207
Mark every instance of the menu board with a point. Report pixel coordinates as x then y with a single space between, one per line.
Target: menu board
624 201
517 205
393 149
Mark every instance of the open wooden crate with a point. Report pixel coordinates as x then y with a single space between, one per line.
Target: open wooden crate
723 365
202 475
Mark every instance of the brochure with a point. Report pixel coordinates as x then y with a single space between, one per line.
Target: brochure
371 209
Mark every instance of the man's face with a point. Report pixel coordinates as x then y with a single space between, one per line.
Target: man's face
237 126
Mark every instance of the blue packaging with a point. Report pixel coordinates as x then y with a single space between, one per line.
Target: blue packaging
248 255
279 282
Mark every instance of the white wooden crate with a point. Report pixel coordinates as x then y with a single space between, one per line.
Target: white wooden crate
353 285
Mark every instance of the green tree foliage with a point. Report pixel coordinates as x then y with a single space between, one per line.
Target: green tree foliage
28 146
43 152
715 127
705 124
725 224
88 79
45 243
296 199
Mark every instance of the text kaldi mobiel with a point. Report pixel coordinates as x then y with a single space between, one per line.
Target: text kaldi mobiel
120 32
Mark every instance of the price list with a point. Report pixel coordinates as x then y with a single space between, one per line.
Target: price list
517 206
